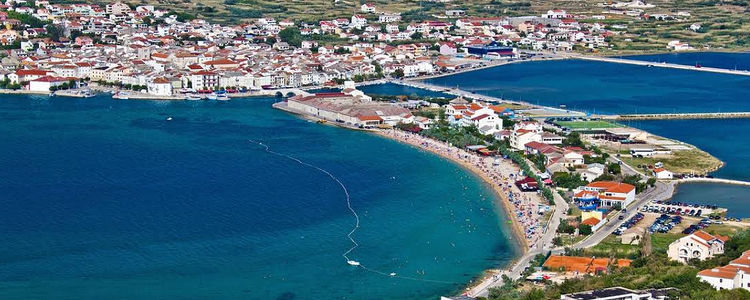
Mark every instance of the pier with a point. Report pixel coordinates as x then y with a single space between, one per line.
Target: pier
714 180
658 65
679 116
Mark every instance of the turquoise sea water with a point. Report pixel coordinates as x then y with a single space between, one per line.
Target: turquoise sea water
618 88
106 199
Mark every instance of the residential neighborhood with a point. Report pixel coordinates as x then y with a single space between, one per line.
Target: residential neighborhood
159 53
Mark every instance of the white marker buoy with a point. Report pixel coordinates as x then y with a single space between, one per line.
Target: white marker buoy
352 262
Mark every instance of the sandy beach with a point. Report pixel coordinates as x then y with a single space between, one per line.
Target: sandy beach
520 207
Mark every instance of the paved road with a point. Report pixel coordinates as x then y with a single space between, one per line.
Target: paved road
661 191
542 246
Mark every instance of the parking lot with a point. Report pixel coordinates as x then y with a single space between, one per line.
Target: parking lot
679 209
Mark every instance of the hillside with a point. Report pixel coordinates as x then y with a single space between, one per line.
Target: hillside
725 24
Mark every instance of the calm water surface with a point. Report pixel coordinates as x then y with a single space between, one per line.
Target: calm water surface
617 88
106 199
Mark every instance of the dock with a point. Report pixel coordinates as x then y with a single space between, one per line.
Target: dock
714 180
678 116
658 65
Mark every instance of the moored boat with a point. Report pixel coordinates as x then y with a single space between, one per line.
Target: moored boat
193 97
87 94
121 95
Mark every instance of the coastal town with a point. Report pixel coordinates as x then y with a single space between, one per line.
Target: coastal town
152 53
586 198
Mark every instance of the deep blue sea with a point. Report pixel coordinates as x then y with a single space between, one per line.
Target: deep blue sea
106 199
617 88
600 87
726 60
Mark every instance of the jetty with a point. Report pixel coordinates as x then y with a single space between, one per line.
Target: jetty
452 91
657 65
679 116
714 180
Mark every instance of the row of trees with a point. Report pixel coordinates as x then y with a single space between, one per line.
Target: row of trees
5 84
66 85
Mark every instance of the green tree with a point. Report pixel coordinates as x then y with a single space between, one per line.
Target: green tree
614 168
399 73
574 140
584 229
55 32
291 35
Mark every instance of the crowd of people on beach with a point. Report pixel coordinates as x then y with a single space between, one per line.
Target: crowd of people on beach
501 173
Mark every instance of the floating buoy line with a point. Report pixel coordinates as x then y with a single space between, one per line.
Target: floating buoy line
349 235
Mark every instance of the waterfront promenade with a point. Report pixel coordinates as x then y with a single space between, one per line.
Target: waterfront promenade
656 65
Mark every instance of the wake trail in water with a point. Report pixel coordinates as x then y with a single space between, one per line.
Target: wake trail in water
350 235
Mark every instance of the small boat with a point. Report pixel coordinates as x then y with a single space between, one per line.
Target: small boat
211 97
352 262
392 274
87 94
222 97
193 97
169 118
121 95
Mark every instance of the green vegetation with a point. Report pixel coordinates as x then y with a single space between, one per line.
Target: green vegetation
680 161
578 125
568 180
649 269
291 35
26 19
635 180
612 247
574 140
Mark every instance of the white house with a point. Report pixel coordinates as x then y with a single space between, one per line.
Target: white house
358 21
699 245
661 173
44 84
389 17
160 87
367 8
732 276
556 14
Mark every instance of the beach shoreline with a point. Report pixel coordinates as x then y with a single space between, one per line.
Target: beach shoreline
504 202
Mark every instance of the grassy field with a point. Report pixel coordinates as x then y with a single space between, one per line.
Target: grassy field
611 246
683 161
660 241
578 125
